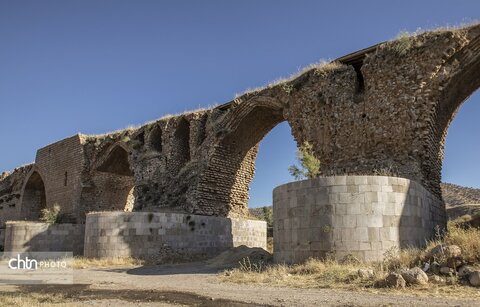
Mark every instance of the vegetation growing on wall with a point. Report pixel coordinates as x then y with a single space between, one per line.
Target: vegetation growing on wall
51 216
309 164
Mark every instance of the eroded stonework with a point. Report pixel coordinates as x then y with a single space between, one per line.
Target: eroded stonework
384 110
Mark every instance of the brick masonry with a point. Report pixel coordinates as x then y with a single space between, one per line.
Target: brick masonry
41 237
149 234
360 215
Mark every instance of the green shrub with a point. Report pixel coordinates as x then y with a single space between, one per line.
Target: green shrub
51 216
309 164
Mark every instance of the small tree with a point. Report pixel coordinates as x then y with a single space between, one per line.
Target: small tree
268 215
50 216
309 164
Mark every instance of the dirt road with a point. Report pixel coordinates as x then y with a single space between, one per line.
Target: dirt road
198 285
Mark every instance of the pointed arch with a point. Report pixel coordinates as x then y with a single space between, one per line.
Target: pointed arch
34 198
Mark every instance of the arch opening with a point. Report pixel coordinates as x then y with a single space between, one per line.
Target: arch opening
460 168
462 87
34 197
232 166
156 139
180 152
114 183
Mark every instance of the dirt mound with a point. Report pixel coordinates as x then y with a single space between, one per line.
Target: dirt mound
233 256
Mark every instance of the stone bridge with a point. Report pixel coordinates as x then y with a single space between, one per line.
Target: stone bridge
384 110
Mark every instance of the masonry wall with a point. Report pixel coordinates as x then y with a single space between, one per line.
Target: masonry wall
163 235
384 112
60 165
10 194
360 215
41 237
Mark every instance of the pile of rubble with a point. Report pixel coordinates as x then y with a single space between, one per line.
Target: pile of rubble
445 266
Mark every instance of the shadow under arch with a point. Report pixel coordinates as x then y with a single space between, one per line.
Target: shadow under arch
226 182
34 197
113 181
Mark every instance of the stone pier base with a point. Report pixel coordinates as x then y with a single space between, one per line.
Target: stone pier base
155 234
364 216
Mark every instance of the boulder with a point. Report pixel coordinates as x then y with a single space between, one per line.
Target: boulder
435 279
435 268
394 280
474 278
365 273
443 251
465 271
415 276
445 270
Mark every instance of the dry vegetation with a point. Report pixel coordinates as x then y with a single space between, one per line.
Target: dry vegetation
84 263
330 273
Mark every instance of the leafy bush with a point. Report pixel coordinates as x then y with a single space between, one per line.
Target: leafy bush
51 216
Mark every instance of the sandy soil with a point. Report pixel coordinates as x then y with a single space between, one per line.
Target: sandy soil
198 285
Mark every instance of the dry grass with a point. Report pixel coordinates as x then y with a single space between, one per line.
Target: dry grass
316 273
322 67
84 263
32 299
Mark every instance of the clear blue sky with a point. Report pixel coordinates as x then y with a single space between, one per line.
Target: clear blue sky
96 66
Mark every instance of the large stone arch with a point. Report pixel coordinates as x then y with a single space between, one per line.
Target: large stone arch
464 81
224 186
34 197
113 180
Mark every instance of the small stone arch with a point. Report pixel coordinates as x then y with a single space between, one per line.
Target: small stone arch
114 181
34 198
180 149
155 139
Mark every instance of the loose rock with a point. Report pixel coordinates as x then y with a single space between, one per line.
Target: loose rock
445 251
394 280
435 279
475 278
446 270
365 273
415 276
465 271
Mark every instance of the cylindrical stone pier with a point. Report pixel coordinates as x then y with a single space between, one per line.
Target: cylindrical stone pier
363 216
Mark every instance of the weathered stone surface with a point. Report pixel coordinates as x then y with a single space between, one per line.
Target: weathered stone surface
387 113
474 278
446 270
435 279
34 237
168 235
415 276
443 251
365 273
465 271
394 280
312 219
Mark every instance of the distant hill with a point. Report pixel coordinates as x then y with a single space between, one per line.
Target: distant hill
455 195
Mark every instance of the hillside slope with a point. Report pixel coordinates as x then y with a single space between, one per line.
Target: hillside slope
455 195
